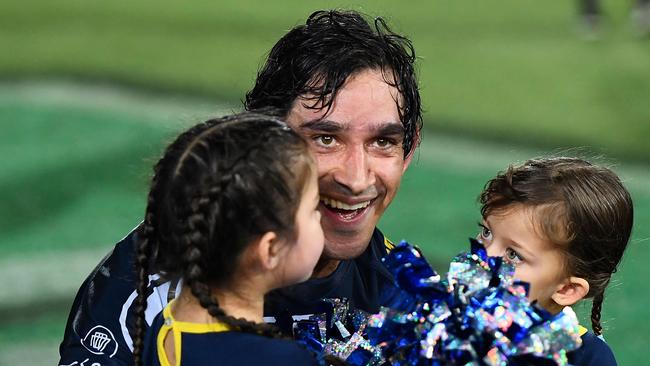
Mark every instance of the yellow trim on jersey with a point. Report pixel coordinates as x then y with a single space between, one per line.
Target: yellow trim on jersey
176 327
582 330
388 244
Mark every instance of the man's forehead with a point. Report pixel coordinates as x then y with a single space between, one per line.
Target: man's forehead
330 119
365 95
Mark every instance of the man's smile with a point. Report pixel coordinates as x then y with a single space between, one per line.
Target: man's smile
343 212
332 203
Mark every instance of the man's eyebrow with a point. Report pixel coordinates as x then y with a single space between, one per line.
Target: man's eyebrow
322 125
391 129
329 126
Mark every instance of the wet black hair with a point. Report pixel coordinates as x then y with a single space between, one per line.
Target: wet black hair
314 60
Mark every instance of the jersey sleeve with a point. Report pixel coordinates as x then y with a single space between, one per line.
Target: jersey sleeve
101 320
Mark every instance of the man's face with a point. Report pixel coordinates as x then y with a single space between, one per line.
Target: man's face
358 150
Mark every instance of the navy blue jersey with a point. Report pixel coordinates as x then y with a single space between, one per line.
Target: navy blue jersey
593 352
360 282
101 321
214 344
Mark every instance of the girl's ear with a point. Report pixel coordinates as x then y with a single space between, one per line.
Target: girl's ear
572 290
268 250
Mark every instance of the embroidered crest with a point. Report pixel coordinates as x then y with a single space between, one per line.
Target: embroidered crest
100 341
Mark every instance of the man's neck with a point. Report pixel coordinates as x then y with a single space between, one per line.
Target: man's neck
325 267
236 304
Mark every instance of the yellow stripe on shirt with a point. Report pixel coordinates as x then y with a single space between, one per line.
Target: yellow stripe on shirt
178 327
582 330
388 244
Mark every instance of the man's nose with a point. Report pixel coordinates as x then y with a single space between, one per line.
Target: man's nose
355 171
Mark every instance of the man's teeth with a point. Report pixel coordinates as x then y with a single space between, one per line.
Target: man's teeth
343 206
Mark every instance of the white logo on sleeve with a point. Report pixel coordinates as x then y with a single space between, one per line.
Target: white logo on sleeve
83 363
100 341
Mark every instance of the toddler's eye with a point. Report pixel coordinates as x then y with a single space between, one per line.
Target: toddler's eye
484 234
513 257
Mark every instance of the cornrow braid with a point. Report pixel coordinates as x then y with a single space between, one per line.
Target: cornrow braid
596 307
145 246
217 187
201 291
200 207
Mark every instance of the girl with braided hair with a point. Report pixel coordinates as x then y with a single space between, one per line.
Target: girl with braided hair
232 214
565 224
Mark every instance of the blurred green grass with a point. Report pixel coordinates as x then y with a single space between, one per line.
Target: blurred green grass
77 159
87 188
513 70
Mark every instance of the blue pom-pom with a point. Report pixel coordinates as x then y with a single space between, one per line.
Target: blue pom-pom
478 314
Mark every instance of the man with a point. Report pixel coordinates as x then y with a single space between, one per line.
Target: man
350 89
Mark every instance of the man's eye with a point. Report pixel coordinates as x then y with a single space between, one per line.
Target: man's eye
325 140
383 143
512 256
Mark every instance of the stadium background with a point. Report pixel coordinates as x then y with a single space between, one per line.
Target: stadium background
91 91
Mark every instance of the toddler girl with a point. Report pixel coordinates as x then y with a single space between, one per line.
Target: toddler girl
565 224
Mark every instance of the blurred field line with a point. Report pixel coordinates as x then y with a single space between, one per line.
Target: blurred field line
173 109
58 274
45 275
480 156
181 110
37 353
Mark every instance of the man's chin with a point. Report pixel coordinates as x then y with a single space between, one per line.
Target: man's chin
341 252
335 252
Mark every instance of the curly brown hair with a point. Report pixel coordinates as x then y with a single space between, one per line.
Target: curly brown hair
586 211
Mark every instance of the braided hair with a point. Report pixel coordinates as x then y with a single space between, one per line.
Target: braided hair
589 215
217 187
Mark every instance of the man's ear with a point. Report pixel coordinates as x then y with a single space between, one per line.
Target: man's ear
572 290
414 146
268 250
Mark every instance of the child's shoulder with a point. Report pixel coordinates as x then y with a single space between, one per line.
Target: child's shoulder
203 346
594 351
236 348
